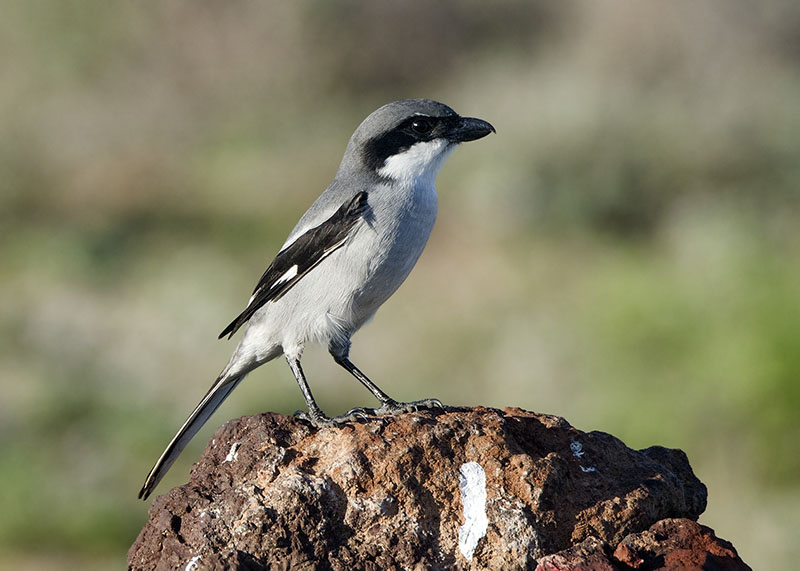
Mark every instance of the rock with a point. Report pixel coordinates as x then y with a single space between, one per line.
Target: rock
430 489
668 544
678 544
590 554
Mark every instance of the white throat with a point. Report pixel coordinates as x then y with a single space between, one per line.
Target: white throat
417 165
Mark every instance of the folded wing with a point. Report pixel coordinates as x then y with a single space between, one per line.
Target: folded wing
302 256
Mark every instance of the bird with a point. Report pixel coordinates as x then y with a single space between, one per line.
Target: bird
346 256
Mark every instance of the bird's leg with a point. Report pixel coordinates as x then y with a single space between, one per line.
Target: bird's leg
314 415
388 404
385 399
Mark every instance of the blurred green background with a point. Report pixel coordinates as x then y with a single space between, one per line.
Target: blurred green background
625 252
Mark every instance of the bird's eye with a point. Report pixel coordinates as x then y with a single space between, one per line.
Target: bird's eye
421 126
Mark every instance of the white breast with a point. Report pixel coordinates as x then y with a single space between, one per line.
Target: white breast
391 245
404 211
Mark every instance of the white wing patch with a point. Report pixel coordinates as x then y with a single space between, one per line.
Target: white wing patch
287 275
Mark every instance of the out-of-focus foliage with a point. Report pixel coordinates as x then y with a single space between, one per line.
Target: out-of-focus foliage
624 252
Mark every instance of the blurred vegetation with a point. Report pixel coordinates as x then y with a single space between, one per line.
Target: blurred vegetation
625 252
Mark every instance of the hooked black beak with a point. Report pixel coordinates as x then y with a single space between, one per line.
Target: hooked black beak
470 129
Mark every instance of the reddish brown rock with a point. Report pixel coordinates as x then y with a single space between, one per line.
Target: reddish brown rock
678 544
270 491
589 555
668 544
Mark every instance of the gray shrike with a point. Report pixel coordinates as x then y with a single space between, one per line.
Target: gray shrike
348 253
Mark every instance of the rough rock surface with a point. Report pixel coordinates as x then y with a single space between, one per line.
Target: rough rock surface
668 544
677 544
402 492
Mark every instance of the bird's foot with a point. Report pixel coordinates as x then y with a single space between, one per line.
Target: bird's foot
361 413
394 407
318 419
356 415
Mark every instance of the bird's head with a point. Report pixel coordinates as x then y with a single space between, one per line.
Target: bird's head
407 141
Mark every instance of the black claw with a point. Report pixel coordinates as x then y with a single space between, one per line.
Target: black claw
414 406
355 413
315 418
318 420
361 412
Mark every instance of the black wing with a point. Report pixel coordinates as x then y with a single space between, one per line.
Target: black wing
302 256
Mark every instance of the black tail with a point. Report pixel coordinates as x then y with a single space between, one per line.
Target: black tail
218 392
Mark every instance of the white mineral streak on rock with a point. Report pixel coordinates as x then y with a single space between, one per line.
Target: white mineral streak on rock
192 564
233 454
472 482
